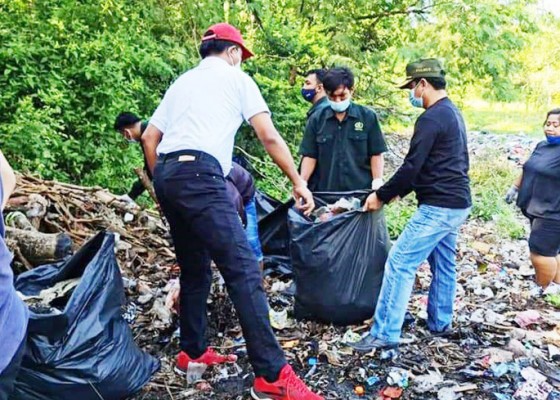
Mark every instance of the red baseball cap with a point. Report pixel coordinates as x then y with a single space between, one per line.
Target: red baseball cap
223 31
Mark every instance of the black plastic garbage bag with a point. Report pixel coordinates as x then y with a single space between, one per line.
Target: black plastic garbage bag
273 231
277 266
338 264
265 204
87 351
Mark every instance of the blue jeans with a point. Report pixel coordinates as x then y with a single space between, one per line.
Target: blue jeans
430 234
252 229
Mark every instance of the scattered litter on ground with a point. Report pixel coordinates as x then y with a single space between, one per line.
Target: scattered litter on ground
498 347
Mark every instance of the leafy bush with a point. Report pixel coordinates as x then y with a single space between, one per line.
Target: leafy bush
491 175
398 213
68 67
68 70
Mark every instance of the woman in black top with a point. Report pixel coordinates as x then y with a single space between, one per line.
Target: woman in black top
538 190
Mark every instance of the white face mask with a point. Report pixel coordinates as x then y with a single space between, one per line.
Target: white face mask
233 63
128 136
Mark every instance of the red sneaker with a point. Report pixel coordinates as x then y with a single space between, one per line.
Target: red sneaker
210 357
287 387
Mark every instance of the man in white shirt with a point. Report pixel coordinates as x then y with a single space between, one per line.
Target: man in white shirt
196 123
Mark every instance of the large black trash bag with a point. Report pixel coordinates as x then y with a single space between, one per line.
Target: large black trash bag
265 204
87 351
338 264
274 233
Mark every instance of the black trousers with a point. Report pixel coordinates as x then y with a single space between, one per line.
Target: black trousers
10 373
191 189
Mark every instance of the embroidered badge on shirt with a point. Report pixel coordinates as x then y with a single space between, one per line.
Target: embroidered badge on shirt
359 126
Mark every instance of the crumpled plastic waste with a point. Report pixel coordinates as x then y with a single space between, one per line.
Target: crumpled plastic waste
527 318
173 289
343 205
161 312
549 370
553 353
373 380
279 319
427 383
530 374
447 393
553 299
389 354
517 348
500 369
130 313
398 377
41 303
346 204
203 386
533 390
554 395
481 315
194 372
280 286
351 337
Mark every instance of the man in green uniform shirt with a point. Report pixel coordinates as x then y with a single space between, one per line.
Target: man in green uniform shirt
313 91
343 145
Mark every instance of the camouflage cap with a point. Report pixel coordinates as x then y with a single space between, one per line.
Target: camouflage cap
426 68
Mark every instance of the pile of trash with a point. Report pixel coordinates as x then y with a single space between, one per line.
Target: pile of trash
517 148
64 216
504 345
344 204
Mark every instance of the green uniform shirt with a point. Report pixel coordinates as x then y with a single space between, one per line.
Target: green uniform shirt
343 149
317 107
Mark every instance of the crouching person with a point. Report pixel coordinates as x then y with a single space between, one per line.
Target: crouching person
241 190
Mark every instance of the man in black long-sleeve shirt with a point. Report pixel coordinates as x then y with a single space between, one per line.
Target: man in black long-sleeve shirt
436 169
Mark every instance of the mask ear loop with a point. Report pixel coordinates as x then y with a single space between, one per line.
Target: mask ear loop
423 89
230 58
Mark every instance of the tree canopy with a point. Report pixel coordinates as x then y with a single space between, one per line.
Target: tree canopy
69 67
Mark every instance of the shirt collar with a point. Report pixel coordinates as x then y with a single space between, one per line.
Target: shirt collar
321 101
351 112
213 61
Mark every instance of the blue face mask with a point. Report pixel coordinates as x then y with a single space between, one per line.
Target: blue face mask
553 139
308 94
415 101
341 106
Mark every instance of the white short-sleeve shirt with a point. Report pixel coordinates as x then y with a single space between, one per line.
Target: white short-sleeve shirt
203 109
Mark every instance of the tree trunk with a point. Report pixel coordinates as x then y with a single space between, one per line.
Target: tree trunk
40 248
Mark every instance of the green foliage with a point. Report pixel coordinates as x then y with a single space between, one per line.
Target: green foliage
398 213
67 67
491 175
553 299
504 117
